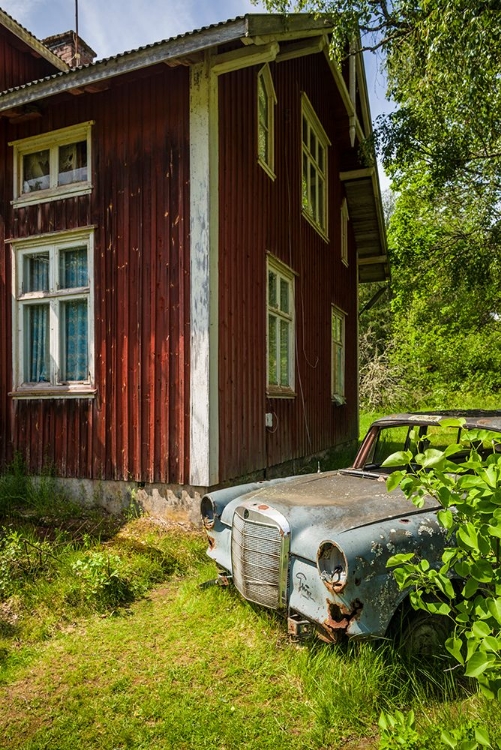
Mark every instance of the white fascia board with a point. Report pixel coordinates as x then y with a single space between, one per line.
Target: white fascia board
204 322
244 58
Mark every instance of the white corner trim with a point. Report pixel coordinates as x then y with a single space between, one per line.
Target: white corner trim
204 224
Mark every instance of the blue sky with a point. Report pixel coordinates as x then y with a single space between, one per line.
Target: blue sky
114 26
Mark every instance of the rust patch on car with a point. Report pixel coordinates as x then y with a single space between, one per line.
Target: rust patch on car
340 617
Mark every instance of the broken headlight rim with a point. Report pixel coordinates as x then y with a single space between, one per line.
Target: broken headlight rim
332 566
208 511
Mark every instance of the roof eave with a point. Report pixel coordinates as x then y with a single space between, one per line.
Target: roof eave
31 41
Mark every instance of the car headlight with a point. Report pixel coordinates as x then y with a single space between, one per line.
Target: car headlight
208 510
332 566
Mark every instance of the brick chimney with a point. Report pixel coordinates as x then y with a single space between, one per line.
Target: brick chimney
70 48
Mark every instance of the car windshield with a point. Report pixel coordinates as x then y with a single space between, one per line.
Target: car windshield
414 438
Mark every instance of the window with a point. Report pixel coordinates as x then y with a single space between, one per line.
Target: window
337 356
52 165
314 177
266 101
280 306
344 231
53 313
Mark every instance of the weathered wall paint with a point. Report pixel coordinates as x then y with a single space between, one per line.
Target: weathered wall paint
136 427
263 216
204 318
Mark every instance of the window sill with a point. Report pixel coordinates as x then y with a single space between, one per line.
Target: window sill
277 392
47 391
338 400
315 226
53 194
269 171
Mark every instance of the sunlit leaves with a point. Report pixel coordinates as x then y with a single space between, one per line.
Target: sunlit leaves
471 514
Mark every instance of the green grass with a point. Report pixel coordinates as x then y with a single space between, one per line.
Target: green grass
191 668
107 641
185 667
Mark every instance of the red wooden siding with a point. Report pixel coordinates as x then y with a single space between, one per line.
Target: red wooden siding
263 216
18 64
136 427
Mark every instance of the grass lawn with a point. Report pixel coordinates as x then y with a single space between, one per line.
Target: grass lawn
185 667
107 642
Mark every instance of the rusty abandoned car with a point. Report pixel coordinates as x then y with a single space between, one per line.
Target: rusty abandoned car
315 547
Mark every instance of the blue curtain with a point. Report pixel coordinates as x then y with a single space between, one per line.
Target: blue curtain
75 340
73 269
38 365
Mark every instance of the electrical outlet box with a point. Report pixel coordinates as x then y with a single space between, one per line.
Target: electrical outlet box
269 419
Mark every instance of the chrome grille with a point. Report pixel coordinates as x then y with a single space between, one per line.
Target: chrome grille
259 552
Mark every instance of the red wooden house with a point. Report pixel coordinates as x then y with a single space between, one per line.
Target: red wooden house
185 227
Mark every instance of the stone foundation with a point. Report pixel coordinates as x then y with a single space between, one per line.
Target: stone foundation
172 503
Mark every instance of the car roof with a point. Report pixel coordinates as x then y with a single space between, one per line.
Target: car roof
474 418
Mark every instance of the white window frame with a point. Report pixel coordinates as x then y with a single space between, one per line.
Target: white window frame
267 128
344 231
316 212
53 244
51 141
338 366
286 275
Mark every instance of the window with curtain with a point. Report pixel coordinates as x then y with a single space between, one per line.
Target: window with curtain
53 311
52 165
280 308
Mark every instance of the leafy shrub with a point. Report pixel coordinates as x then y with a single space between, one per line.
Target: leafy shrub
22 559
470 495
399 732
102 580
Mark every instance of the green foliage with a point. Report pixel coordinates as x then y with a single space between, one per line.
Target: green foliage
442 148
103 580
22 558
469 492
398 730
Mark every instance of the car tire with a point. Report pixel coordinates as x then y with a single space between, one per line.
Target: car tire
423 635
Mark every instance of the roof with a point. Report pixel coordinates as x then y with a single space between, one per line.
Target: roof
31 41
474 418
257 32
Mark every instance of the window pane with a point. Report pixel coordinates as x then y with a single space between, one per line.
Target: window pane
284 296
36 344
75 340
262 102
73 268
321 157
72 163
321 203
313 207
305 200
272 350
284 352
272 289
263 107
36 273
36 169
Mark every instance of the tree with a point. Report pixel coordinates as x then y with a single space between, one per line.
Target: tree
442 59
442 149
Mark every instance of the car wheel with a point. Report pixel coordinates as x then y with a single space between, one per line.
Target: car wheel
423 635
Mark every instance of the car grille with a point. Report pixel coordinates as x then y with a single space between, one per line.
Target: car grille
259 551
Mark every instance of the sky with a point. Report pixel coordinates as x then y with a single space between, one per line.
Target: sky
114 26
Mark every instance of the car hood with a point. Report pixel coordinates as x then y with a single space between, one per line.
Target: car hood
323 506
